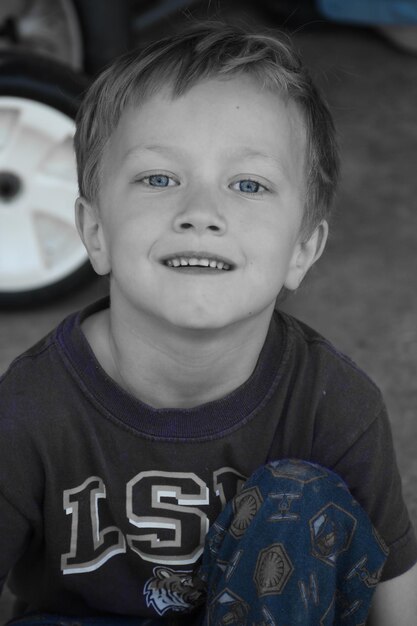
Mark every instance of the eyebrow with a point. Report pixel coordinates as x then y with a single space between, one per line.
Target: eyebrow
151 148
250 153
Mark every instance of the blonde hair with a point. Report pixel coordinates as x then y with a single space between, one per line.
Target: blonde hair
201 52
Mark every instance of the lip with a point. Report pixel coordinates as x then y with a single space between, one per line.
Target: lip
198 254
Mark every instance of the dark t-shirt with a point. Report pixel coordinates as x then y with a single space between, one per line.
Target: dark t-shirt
97 489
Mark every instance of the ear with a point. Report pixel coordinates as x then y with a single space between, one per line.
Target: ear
90 229
306 253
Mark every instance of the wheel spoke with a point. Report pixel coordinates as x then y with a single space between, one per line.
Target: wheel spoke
9 120
20 252
58 240
30 134
53 197
59 162
23 147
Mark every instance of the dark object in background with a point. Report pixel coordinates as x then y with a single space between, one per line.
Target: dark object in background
105 27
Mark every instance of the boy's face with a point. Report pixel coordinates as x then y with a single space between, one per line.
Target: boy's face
216 175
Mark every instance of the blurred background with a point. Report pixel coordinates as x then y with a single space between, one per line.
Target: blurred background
362 294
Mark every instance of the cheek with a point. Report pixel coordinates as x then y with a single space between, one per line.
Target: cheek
268 262
132 238
268 248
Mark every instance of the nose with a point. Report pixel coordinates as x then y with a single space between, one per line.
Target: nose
200 214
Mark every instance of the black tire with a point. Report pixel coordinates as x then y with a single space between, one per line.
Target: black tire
49 83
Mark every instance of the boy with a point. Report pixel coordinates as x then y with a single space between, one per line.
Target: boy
207 165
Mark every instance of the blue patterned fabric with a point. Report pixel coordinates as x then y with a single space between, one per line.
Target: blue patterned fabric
292 547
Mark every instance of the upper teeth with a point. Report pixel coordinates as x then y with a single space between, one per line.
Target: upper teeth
204 262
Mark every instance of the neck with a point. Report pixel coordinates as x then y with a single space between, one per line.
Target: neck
173 367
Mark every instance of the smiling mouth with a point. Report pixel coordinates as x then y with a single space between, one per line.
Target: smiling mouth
205 262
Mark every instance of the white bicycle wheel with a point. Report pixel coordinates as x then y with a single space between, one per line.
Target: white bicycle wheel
41 254
39 244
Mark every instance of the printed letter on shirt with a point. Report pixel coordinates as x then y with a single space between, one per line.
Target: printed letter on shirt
173 532
97 545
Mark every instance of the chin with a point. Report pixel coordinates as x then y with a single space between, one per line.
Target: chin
201 322
199 325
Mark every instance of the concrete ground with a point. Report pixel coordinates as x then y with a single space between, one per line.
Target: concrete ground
363 293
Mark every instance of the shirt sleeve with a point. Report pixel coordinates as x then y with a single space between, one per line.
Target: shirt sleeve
370 470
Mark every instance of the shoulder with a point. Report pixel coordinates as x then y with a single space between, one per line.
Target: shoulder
303 336
35 378
322 365
24 370
330 401
51 359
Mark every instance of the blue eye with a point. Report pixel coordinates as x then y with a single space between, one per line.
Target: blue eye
249 186
158 180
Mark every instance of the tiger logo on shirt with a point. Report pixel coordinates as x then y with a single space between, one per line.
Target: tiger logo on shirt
170 590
